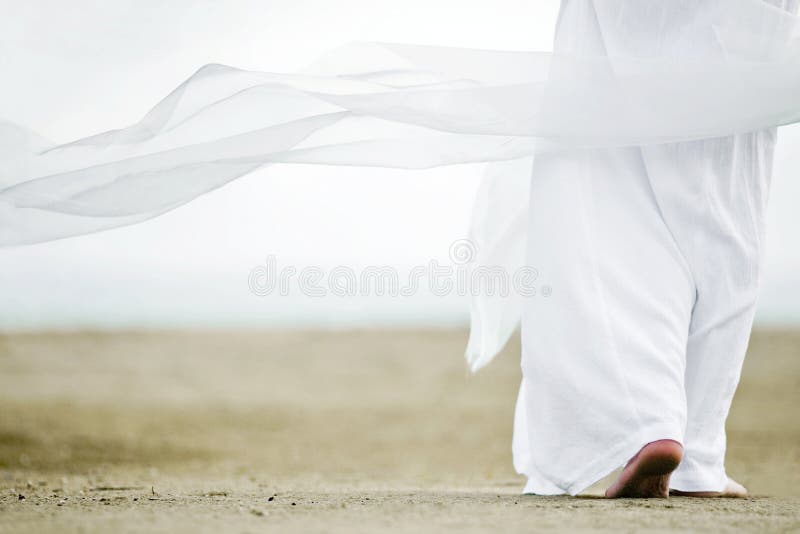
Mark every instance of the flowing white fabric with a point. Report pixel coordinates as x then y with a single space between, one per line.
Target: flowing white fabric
416 107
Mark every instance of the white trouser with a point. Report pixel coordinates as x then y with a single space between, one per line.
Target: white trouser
654 283
653 256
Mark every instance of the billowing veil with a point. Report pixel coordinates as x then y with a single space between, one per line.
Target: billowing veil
416 107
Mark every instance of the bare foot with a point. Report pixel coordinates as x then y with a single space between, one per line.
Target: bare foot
647 473
733 490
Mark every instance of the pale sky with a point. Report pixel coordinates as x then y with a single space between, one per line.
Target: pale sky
71 69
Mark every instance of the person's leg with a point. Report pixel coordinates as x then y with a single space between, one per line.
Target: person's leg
736 173
715 356
603 355
713 196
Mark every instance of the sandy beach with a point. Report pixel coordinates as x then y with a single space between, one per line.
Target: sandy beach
329 432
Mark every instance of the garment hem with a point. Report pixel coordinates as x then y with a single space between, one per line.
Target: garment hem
615 459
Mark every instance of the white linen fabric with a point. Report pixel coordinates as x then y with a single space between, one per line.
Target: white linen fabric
653 253
703 69
651 124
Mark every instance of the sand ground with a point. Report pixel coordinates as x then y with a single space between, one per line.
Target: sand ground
327 432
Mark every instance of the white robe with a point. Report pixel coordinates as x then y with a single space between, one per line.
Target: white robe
653 254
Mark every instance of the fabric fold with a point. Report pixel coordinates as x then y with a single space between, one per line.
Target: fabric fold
415 107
